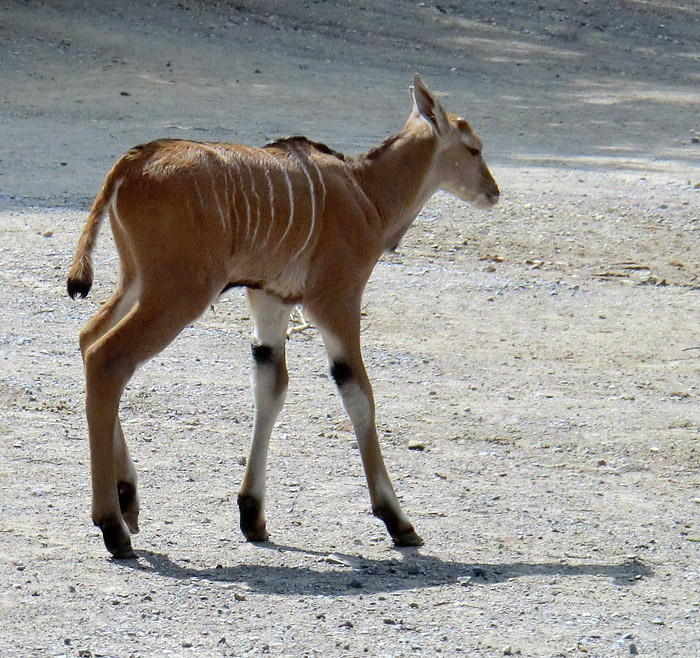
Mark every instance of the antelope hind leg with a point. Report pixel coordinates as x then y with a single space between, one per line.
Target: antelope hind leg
127 489
110 361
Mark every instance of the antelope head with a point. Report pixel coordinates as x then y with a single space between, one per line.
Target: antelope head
458 167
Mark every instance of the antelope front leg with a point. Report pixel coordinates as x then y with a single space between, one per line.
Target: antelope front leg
350 376
270 381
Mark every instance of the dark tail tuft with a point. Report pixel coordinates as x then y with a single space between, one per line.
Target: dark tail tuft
81 275
77 288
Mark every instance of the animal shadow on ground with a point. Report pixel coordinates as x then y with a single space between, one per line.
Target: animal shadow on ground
344 574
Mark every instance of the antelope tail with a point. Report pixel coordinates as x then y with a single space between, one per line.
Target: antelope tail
81 273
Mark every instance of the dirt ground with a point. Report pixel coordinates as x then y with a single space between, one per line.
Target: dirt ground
535 367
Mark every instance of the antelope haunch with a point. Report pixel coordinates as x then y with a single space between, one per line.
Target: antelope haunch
294 223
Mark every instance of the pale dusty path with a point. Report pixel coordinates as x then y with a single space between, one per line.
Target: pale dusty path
531 351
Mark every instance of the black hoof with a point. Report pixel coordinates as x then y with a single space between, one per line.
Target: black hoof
252 519
117 540
401 531
407 538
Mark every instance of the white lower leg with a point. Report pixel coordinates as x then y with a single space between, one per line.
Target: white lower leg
269 389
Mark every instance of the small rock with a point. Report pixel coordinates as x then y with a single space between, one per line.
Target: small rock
507 650
242 461
186 644
414 444
633 649
49 233
657 621
345 624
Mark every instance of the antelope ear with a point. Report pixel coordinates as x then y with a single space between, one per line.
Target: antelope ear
425 104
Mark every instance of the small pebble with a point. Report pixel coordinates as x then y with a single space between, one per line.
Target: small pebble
633 649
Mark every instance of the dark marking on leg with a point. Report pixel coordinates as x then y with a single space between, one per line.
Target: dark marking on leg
251 524
341 372
262 354
128 504
403 534
127 494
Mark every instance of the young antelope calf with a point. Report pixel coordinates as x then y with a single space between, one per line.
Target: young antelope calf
295 223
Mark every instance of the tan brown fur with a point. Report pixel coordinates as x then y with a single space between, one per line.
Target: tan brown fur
294 222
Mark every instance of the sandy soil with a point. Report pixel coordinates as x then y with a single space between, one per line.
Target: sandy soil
542 360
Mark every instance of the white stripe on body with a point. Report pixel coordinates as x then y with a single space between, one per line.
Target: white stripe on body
215 194
234 188
199 195
227 196
193 219
312 197
271 196
249 154
271 193
290 190
257 201
323 184
242 188
216 152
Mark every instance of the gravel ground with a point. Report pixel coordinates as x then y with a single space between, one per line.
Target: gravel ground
535 367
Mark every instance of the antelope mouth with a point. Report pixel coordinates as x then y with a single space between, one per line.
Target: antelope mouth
485 200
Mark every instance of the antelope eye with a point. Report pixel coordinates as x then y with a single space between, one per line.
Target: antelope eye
474 151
